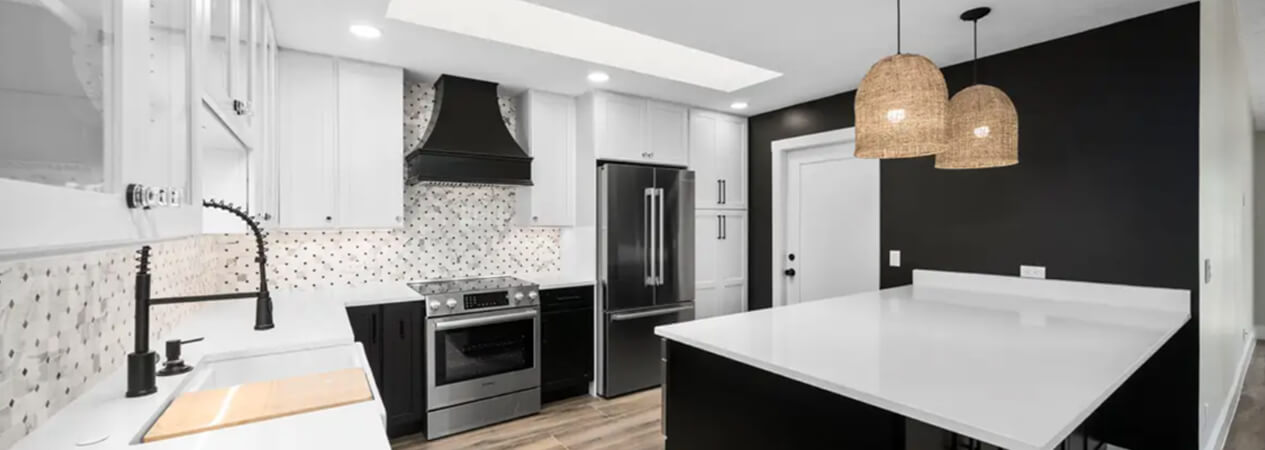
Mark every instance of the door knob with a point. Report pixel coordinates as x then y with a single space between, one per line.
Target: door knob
789 272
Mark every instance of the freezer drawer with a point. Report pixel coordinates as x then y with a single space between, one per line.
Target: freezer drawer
630 350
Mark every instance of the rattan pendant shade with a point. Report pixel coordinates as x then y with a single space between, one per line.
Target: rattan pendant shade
901 107
983 130
983 124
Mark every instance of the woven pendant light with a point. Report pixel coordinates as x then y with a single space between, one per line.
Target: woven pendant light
901 107
983 123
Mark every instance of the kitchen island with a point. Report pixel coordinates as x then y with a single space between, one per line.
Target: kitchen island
1016 363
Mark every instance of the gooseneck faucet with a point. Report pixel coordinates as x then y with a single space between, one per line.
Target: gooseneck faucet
142 362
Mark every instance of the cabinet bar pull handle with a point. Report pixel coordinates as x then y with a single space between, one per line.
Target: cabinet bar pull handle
724 192
720 189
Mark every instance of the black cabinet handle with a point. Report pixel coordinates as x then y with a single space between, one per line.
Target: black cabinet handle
724 195
719 188
719 223
401 329
724 227
373 335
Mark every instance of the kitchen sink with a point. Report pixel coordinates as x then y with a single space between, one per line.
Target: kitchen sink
231 372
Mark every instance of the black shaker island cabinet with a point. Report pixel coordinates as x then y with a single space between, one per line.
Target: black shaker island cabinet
394 341
566 342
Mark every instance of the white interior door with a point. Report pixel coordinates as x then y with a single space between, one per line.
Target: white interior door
832 223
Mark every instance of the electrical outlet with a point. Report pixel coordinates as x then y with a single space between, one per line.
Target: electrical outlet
1032 271
893 258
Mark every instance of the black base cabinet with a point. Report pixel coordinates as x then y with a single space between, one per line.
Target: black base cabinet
566 342
394 341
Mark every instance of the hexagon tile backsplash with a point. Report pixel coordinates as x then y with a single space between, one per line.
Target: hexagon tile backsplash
66 321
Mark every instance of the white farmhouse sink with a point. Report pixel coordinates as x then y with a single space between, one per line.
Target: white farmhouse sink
235 371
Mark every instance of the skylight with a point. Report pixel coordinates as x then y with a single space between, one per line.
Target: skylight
536 27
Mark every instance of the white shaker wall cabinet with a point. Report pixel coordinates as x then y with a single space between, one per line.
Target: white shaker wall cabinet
370 131
632 129
720 253
341 125
547 131
718 152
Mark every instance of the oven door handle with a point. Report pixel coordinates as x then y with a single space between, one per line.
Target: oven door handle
487 320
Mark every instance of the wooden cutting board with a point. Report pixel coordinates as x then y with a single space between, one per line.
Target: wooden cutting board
195 412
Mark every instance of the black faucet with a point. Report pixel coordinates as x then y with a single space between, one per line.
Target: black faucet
142 362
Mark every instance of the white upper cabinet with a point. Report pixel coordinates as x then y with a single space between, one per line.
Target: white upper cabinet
547 130
370 132
633 129
667 130
340 143
718 152
94 96
234 33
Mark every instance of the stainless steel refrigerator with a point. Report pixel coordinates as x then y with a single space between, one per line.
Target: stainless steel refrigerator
645 269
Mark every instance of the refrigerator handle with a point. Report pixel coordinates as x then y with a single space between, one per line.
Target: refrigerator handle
647 252
724 194
659 234
720 187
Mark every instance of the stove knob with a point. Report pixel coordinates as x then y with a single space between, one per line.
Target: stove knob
452 303
518 297
434 304
533 296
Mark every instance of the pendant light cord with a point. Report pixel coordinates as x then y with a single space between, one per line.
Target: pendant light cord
897 27
975 61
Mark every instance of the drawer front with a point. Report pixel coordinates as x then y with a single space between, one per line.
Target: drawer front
566 298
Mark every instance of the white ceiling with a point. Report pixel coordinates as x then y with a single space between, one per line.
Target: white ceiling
1252 35
821 46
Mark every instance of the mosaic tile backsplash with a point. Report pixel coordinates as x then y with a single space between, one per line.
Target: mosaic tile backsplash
450 231
67 320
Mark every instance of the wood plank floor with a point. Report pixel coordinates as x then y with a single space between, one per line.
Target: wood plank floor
628 422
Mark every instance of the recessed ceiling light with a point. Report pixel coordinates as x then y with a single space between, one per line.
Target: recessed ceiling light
738 105
599 77
532 26
365 31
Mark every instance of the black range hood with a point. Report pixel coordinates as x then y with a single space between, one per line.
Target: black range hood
466 140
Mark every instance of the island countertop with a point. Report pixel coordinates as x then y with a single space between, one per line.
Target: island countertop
1018 363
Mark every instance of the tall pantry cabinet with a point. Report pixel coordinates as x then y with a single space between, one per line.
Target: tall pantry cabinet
718 156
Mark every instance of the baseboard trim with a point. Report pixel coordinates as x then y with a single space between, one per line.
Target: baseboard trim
1221 429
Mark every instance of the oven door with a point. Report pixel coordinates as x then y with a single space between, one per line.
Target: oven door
477 356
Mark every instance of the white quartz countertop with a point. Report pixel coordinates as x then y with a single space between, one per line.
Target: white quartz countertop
558 280
305 319
1014 362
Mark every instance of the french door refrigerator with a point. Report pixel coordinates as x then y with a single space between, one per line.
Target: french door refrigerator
645 269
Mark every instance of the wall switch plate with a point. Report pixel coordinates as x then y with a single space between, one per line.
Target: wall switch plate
1032 271
893 258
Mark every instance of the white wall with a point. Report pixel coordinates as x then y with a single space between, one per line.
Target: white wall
1225 219
1259 165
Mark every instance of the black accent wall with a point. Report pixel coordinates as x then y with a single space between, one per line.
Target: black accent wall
1106 190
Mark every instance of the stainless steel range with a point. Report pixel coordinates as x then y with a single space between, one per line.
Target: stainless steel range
482 352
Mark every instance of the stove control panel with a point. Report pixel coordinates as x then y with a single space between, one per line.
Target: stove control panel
486 300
